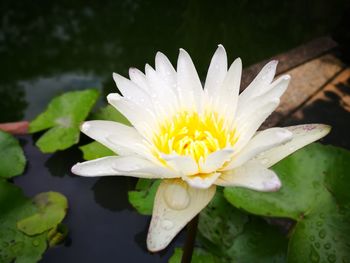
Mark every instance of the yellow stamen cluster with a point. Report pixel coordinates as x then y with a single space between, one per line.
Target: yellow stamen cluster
188 133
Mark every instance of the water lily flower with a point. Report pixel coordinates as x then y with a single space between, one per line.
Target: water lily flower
194 138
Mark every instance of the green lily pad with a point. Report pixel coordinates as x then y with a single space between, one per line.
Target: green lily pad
63 116
109 113
233 236
12 160
16 245
95 150
52 207
142 198
314 194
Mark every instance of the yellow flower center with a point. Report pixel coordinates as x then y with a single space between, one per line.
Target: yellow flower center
190 134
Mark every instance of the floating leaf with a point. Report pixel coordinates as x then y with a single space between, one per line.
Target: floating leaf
52 208
12 160
15 246
314 194
63 116
57 234
143 197
95 150
233 236
109 113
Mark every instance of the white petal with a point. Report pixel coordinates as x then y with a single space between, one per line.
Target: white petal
163 96
302 135
121 139
216 72
166 71
230 89
260 84
215 160
132 92
247 124
189 86
142 119
252 175
261 142
185 165
201 181
175 205
275 91
139 79
122 165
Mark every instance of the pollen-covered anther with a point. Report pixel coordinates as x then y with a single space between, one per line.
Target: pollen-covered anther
189 134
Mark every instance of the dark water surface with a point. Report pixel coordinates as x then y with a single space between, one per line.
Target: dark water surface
49 47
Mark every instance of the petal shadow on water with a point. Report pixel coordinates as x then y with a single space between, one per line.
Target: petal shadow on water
111 192
61 162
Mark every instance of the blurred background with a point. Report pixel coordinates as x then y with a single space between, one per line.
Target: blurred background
50 47
47 47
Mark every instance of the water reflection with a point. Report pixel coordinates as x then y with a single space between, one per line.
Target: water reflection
112 192
60 163
43 44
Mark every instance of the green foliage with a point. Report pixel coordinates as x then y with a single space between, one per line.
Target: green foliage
198 256
12 160
109 113
52 208
233 236
95 150
15 245
313 193
143 197
63 116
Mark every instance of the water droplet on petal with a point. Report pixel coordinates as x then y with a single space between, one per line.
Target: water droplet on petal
176 196
167 224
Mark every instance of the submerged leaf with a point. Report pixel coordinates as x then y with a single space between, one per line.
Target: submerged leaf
12 160
314 193
142 198
52 208
63 115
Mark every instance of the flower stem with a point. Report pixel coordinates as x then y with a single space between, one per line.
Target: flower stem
189 244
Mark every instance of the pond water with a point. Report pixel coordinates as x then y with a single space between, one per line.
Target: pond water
47 48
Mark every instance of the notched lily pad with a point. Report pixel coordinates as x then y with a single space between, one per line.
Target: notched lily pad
142 198
52 207
63 116
315 193
198 256
12 160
